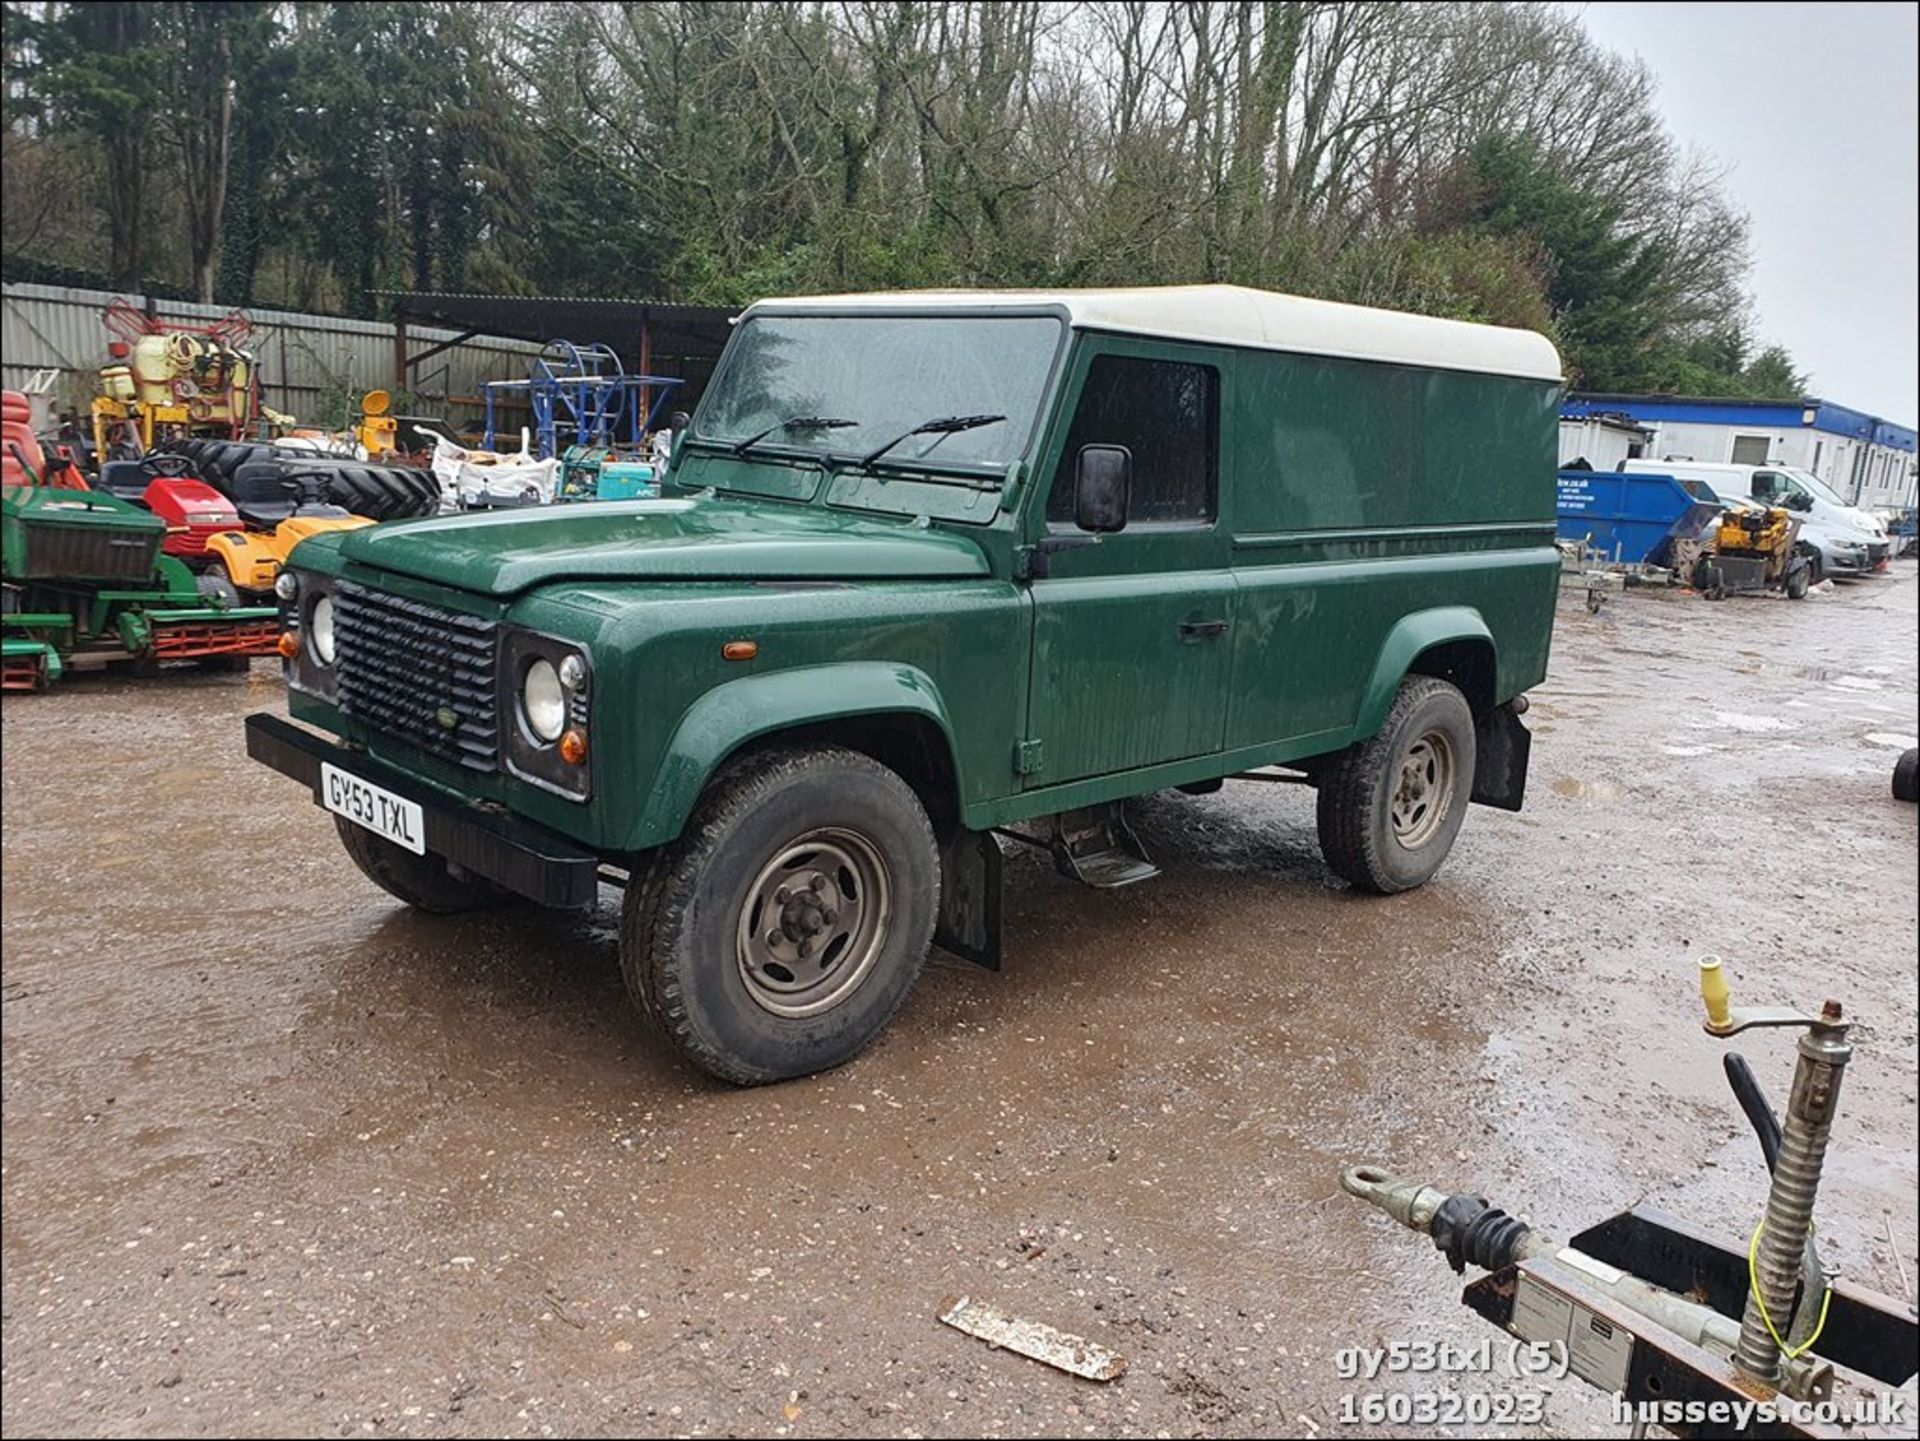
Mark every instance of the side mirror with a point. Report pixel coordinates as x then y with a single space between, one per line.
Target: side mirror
1102 485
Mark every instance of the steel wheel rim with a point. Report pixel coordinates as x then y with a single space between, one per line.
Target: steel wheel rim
813 923
1423 790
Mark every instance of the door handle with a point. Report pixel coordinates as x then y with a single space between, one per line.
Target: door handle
1202 629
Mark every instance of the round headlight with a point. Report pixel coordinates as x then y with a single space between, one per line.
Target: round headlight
286 585
543 700
320 629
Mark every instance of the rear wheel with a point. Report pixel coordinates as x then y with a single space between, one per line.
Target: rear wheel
1390 806
784 928
1799 581
1906 777
425 882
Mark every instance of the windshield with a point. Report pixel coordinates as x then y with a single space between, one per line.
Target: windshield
876 376
1817 486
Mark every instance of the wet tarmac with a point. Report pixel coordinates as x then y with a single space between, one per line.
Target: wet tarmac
282 1157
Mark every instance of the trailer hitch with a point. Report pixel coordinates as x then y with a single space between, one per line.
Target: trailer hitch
1655 1310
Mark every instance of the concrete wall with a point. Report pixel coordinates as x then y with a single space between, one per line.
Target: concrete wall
307 362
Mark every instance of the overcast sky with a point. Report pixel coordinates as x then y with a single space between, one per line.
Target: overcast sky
1813 108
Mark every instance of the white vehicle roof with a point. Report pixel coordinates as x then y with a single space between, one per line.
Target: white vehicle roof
1237 315
1724 467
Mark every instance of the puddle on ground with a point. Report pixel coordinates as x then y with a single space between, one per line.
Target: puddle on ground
1734 720
1892 738
1579 790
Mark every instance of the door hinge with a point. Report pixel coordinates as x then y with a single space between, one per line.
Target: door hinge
1026 758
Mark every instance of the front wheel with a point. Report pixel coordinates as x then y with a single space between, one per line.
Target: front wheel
784 928
425 882
216 585
1389 806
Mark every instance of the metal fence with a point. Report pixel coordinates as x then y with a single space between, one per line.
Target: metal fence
309 364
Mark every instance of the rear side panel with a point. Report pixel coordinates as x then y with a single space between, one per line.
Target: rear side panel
1362 494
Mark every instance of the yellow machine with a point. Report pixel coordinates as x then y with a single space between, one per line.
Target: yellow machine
1753 550
377 429
244 564
173 378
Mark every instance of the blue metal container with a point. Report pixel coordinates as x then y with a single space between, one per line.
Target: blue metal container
1632 517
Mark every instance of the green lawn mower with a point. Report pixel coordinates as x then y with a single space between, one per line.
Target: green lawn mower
83 582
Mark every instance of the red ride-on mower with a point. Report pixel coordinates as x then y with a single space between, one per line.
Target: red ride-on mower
166 485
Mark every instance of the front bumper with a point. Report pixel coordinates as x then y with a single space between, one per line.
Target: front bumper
526 859
1845 562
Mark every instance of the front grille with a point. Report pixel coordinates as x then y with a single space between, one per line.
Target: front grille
419 673
89 552
1876 552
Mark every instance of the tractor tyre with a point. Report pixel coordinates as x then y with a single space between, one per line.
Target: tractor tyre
425 486
385 492
349 492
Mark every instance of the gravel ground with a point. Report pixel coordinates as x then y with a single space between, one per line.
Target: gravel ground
283 1157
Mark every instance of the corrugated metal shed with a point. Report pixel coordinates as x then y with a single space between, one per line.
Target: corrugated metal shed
309 363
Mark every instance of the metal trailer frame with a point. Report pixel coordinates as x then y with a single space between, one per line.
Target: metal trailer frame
582 395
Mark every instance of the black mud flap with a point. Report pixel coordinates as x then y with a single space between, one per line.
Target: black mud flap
969 920
1501 750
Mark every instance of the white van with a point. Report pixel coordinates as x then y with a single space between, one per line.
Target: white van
1838 539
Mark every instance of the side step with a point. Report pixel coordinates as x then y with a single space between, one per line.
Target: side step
1097 847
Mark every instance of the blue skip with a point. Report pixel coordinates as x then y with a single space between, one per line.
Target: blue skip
1631 518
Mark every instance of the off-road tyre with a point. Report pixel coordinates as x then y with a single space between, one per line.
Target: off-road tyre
1906 777
1356 806
683 948
424 882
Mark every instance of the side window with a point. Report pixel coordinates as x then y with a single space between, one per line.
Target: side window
1167 413
1767 486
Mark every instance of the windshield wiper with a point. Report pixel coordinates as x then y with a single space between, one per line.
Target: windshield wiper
793 422
946 425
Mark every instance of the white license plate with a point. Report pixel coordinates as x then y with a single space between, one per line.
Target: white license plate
378 810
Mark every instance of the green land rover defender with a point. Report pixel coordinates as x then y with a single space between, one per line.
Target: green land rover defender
929 567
